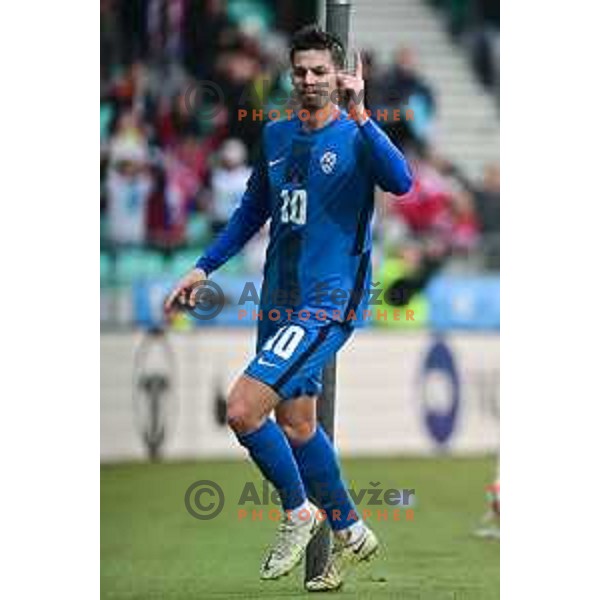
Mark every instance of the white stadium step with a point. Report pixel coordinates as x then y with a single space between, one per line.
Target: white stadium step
467 126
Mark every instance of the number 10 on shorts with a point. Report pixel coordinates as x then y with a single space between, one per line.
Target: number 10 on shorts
285 341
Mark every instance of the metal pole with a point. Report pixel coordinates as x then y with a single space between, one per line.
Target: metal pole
337 21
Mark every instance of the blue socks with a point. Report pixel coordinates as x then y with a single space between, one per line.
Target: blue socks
269 448
314 463
320 472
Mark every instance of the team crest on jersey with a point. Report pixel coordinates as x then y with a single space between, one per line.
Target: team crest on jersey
328 161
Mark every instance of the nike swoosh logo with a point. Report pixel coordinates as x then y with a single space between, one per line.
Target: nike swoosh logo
272 163
262 361
360 546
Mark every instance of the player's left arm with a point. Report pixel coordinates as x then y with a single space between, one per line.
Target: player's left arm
390 168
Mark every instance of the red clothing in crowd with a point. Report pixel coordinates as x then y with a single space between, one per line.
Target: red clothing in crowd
426 208
432 207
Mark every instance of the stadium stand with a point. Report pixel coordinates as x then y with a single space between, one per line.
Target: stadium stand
172 165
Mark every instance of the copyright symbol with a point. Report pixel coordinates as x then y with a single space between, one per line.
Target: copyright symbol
204 500
204 99
208 300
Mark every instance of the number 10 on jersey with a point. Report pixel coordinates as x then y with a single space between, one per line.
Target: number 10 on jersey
293 209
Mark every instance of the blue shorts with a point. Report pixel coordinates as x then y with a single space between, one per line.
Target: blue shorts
291 354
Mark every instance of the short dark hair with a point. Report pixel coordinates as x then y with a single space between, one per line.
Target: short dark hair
312 37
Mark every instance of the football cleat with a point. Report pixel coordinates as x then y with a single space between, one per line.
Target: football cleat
345 554
290 545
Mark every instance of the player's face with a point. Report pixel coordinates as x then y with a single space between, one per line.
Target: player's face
314 76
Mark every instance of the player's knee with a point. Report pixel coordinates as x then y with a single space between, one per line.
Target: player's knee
240 419
298 432
240 416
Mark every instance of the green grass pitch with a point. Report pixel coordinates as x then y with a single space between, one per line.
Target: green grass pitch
151 548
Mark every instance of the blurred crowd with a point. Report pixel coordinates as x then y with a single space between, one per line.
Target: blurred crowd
475 24
170 176
174 165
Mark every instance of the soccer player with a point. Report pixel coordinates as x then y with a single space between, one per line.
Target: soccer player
315 181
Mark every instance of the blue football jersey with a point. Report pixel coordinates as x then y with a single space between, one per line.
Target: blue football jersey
317 188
